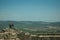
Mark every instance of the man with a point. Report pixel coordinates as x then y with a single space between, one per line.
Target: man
11 25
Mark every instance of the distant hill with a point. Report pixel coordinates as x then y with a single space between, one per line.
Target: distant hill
35 26
29 23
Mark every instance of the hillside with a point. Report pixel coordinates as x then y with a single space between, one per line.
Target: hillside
35 26
31 23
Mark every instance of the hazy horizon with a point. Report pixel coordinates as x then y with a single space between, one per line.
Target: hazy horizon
30 10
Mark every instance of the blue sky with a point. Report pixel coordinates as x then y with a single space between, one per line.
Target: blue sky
30 10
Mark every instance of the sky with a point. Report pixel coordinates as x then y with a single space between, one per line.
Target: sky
30 10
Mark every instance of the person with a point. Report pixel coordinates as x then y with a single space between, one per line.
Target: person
11 25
